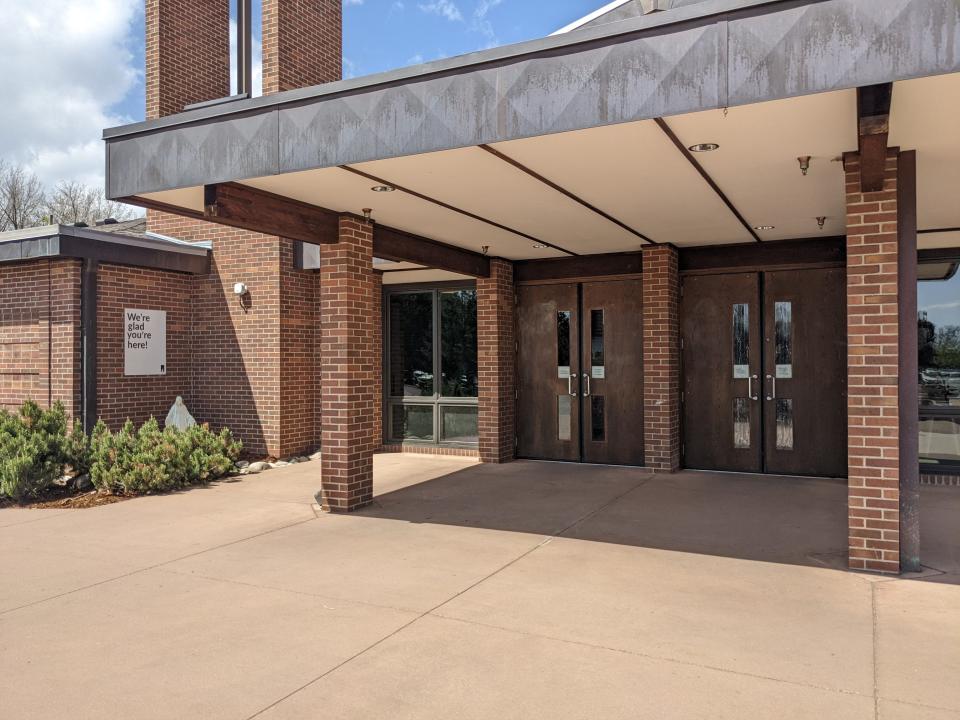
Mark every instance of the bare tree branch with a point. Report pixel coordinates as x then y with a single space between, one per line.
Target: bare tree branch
22 198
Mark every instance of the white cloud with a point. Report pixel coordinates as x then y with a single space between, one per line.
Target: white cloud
65 64
446 8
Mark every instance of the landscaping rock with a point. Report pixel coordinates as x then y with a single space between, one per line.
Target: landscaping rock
302 459
257 467
81 483
242 464
279 464
315 456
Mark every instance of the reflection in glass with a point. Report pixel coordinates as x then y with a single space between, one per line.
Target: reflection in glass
563 342
411 345
564 406
783 333
741 423
784 424
596 342
412 422
459 424
741 341
938 330
598 419
458 343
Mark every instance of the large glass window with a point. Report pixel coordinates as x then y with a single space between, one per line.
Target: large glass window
938 335
431 365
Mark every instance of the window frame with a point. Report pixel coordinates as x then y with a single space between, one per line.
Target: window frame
437 401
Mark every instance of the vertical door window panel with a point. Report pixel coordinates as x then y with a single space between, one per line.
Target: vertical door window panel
741 341
564 417
459 424
784 424
563 343
412 422
598 419
741 423
411 345
458 344
596 345
783 335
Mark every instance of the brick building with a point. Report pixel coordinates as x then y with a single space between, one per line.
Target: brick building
677 234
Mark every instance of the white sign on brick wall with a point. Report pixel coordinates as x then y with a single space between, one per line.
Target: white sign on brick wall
145 342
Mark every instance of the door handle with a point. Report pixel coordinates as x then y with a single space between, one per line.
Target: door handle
587 378
570 385
773 381
750 380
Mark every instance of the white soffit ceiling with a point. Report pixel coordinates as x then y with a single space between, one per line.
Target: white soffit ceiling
923 117
475 180
342 191
757 164
636 174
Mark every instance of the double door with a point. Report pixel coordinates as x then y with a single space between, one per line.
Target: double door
580 372
765 372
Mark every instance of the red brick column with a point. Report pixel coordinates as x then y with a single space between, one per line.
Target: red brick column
661 358
302 43
873 371
187 53
496 358
349 369
65 335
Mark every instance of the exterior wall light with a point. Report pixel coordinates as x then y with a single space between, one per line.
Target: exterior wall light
243 295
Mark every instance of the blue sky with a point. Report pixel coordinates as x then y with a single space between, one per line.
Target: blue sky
386 34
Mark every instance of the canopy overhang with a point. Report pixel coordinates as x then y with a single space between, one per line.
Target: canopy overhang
574 144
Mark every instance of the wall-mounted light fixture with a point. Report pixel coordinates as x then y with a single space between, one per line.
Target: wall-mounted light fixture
368 214
243 295
804 164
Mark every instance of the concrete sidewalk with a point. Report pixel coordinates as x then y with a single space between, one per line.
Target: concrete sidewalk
521 591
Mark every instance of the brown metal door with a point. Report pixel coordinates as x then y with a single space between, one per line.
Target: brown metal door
720 327
805 372
612 372
548 410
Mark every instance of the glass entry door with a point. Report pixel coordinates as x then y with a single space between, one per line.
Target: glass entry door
765 372
580 372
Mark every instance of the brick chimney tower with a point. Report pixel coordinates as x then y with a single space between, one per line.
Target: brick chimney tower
254 370
302 43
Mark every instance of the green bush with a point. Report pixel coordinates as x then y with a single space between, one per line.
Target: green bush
151 460
35 450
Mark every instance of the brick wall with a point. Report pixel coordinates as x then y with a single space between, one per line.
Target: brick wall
349 367
139 398
40 334
496 359
302 43
187 53
661 358
873 360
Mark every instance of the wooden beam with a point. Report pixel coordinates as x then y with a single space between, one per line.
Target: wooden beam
399 246
138 201
610 264
873 118
248 208
772 254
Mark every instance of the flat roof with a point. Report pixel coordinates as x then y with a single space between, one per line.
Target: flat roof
68 241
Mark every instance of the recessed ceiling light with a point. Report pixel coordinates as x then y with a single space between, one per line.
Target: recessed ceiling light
540 246
704 147
765 227
383 188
